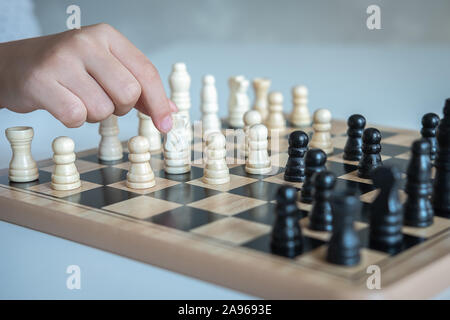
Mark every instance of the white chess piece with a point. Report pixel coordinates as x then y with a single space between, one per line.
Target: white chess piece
22 167
239 102
251 118
216 170
261 88
300 116
322 126
258 161
180 83
110 147
140 174
275 120
209 106
65 175
177 151
147 129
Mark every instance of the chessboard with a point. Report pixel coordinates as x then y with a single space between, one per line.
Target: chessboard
221 234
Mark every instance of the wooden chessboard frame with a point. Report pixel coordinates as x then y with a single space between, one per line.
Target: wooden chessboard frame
419 272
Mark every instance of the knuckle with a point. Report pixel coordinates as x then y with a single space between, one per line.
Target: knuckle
129 94
74 115
100 112
104 27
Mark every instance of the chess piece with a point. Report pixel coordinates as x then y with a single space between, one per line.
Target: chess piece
258 161
417 208
180 83
295 166
140 174
371 158
65 175
261 89
321 138
22 167
386 216
430 121
441 187
239 102
209 106
110 147
251 118
147 129
353 146
300 116
315 162
216 170
321 217
344 246
275 121
286 237
177 151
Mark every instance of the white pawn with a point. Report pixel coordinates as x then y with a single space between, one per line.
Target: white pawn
321 138
110 147
261 89
22 167
300 116
140 174
177 151
180 83
239 101
209 106
65 175
275 120
147 129
216 170
258 161
251 118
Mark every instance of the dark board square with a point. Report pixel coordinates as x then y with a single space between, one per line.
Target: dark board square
387 134
105 176
259 189
401 164
392 150
100 197
44 177
339 168
94 158
263 214
262 244
185 218
183 193
408 242
354 187
193 174
240 171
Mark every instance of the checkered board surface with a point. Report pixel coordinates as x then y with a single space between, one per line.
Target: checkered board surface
224 231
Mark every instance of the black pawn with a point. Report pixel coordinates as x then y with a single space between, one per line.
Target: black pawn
344 246
430 121
386 216
371 158
287 237
353 146
315 162
321 217
441 187
295 167
417 208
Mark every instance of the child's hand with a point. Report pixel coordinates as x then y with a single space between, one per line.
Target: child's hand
82 75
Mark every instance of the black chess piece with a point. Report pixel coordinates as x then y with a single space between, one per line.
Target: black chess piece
353 146
430 121
287 237
417 208
295 166
321 217
315 162
344 246
441 186
371 158
386 215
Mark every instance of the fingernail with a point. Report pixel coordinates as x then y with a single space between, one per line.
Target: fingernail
173 106
166 123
